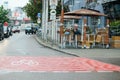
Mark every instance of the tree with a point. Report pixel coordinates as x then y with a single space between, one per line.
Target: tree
32 8
3 15
35 6
58 9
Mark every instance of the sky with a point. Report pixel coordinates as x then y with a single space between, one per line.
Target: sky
14 3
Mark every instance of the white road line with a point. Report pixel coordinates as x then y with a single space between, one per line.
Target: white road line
39 71
105 71
9 71
83 71
60 71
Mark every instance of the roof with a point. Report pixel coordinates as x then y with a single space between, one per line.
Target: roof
85 12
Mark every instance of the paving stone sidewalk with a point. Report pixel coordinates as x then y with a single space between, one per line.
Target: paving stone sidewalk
89 53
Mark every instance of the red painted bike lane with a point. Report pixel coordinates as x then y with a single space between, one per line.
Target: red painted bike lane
71 64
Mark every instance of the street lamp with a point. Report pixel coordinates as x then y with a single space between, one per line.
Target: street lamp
44 18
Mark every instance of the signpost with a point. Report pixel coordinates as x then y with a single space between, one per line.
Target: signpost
53 4
39 16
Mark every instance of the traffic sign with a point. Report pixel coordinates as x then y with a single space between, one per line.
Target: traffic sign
53 12
38 15
38 21
5 23
53 2
52 17
52 6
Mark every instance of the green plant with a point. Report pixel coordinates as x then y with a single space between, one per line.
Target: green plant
115 23
115 27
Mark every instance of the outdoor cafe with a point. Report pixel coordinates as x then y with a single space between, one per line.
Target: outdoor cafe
81 29
78 33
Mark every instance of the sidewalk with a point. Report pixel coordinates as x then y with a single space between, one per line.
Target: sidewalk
89 53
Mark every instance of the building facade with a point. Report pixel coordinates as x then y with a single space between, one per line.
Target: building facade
109 7
75 4
112 9
88 4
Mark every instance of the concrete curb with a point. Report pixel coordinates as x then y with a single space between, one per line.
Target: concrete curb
54 48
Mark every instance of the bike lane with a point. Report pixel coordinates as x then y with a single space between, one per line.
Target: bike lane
54 64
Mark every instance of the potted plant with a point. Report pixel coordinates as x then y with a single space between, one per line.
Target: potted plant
115 33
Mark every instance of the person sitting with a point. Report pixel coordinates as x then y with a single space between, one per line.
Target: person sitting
67 31
75 31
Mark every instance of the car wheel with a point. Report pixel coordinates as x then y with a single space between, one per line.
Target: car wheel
25 32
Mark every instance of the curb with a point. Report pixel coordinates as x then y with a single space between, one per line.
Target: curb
56 49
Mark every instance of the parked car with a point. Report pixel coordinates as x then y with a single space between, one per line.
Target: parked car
15 29
1 32
34 30
30 30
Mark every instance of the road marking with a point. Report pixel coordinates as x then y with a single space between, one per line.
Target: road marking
83 71
60 71
55 64
25 62
9 71
38 71
105 71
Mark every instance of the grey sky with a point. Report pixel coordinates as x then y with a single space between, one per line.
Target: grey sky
15 3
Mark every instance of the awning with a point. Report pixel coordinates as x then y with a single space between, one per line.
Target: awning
85 12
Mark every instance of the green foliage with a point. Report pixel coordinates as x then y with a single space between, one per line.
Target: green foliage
3 15
115 23
115 26
32 8
35 6
66 9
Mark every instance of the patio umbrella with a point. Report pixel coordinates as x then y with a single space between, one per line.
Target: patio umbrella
84 12
71 17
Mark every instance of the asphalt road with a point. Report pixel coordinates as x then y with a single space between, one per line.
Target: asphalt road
25 45
60 76
115 61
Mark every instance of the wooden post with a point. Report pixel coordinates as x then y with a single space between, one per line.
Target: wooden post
61 21
84 33
107 35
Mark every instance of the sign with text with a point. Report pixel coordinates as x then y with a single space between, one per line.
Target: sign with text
38 15
53 2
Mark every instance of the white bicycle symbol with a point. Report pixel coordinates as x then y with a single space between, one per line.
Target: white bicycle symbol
26 62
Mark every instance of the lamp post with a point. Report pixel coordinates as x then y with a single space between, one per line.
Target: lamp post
44 18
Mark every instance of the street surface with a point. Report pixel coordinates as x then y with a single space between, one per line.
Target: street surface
25 45
31 61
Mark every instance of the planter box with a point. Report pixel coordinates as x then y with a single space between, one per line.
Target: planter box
115 41
114 38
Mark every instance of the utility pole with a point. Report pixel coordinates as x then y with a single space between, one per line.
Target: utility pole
44 18
61 21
